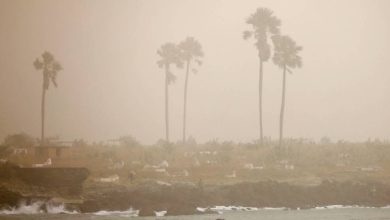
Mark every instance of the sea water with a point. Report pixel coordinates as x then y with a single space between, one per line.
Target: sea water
320 213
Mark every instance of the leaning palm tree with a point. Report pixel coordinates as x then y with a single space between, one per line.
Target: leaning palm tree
263 23
286 57
191 51
50 67
169 54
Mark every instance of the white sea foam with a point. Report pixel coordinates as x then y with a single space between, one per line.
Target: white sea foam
221 209
127 213
37 207
160 213
200 209
236 208
58 209
273 208
345 207
334 207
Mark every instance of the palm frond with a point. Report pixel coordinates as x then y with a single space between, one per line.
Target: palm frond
199 62
171 77
179 64
190 48
247 34
50 69
56 66
274 25
170 54
54 81
286 52
264 50
160 63
38 64
263 22
47 57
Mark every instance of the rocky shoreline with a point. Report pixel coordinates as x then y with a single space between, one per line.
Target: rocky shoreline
180 198
183 199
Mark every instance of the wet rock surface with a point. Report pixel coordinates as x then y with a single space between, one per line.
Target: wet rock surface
181 200
9 198
69 180
26 184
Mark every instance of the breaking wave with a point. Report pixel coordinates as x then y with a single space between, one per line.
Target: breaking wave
221 209
348 207
37 207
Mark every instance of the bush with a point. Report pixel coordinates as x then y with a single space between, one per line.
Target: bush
19 140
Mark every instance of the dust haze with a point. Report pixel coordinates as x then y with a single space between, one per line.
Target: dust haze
111 85
184 107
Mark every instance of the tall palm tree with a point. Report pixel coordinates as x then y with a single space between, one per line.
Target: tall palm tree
50 67
263 23
191 51
286 57
169 54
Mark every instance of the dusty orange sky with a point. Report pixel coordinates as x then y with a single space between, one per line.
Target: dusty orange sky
111 85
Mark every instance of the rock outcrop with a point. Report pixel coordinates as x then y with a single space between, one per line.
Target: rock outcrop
182 199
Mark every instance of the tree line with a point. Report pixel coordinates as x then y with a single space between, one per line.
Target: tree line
265 27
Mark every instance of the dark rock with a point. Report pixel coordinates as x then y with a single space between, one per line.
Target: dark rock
183 200
69 180
9 198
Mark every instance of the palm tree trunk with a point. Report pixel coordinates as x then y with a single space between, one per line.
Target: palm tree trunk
185 102
282 109
43 115
166 104
260 102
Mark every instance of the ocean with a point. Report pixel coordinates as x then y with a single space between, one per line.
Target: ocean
330 213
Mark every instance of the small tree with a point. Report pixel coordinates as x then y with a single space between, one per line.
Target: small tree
19 140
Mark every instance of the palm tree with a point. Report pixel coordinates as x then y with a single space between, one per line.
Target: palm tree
286 57
263 23
169 54
50 67
191 50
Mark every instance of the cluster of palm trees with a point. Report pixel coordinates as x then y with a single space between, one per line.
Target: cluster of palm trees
185 53
265 26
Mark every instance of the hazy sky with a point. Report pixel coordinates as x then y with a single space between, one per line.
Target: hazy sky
111 85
